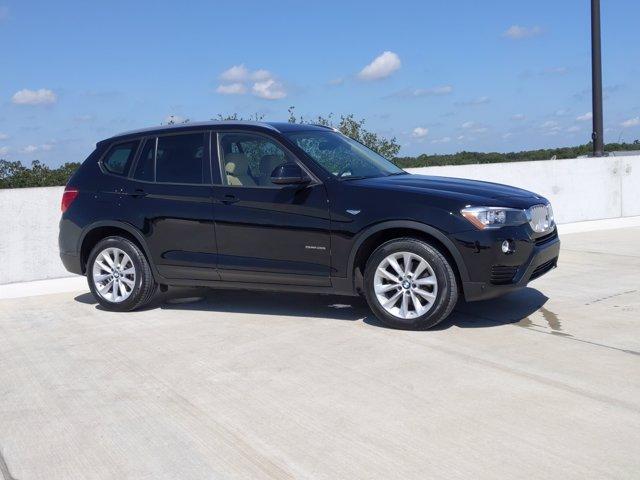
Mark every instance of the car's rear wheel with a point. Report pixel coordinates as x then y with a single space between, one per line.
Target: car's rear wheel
119 275
409 284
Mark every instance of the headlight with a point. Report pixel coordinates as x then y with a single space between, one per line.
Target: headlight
494 217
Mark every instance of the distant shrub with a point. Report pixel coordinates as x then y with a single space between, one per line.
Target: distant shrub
16 175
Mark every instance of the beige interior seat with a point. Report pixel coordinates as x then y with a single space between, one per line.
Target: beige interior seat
267 164
236 168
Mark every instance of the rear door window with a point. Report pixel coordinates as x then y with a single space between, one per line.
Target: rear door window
119 157
145 168
181 159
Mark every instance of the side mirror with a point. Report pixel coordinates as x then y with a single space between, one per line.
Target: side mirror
289 174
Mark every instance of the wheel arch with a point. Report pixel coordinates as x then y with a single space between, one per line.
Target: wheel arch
372 237
96 231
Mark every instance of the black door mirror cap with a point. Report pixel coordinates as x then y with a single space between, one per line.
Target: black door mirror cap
289 174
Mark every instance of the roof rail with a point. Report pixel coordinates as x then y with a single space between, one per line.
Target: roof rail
325 126
248 122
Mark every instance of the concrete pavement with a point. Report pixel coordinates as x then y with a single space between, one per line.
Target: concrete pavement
543 383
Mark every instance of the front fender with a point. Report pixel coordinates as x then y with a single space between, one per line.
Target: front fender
362 236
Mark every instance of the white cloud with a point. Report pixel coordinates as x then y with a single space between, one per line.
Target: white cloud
4 151
549 124
45 147
237 73
30 149
381 67
507 135
3 136
420 132
238 79
468 125
232 89
573 129
480 130
336 81
441 140
269 89
474 102
460 138
585 118
260 75
423 92
561 113
441 90
517 32
632 122
42 96
518 116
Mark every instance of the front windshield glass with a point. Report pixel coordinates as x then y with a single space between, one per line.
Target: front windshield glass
341 156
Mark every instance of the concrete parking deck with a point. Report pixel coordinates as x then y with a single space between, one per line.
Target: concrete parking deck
544 383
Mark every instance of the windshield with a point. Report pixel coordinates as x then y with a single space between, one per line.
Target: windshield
341 156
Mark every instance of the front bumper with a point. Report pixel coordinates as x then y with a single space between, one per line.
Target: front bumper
533 257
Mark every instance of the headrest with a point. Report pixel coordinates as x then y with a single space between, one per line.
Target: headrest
235 162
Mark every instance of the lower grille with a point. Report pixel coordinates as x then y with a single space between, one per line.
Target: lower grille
503 274
543 268
546 238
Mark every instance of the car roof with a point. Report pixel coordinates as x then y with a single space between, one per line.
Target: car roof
280 127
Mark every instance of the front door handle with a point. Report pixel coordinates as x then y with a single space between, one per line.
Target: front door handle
139 193
229 199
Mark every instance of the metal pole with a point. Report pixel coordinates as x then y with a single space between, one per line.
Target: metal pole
596 80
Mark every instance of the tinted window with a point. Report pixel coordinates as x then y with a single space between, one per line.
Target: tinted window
249 159
180 159
119 158
146 162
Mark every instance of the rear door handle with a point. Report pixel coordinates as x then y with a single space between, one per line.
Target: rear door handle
229 199
139 193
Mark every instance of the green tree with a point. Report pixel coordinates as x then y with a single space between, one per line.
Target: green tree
351 127
16 175
347 124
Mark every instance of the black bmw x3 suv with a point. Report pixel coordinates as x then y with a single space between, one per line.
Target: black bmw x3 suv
286 207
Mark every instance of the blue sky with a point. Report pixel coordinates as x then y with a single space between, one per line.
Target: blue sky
440 76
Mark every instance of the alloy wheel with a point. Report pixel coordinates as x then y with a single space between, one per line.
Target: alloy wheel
405 285
114 275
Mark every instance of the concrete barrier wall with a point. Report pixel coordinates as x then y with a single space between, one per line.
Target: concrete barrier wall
29 234
580 189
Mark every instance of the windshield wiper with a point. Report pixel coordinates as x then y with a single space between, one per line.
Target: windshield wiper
397 173
352 177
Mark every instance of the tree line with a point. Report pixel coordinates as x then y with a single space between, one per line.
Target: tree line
16 175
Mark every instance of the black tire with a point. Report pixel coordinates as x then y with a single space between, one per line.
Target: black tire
446 296
144 284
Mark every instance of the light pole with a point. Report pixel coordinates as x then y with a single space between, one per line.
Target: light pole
596 80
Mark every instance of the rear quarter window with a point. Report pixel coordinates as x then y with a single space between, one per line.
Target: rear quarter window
119 158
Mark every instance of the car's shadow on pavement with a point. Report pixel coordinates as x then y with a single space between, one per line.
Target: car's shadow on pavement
511 308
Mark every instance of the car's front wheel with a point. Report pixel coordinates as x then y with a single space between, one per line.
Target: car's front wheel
409 284
119 275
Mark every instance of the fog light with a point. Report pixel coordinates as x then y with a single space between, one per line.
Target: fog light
507 247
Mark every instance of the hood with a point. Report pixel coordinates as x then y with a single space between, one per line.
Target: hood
470 191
